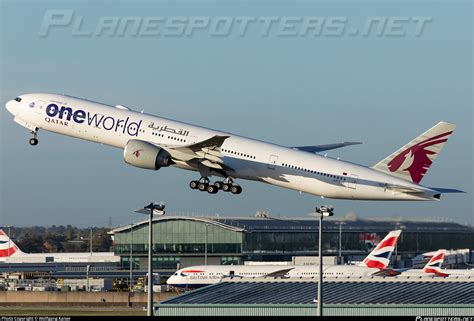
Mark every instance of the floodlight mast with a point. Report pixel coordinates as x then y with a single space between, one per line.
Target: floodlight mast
323 211
158 209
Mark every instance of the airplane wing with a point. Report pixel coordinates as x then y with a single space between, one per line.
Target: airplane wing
322 148
206 152
279 273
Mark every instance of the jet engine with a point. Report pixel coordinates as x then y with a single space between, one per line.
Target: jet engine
145 155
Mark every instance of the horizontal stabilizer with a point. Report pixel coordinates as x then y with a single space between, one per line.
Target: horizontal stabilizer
279 274
446 190
404 189
322 148
387 272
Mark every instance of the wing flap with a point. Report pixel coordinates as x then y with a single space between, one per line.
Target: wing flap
206 152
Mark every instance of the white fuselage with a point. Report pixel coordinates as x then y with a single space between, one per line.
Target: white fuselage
197 276
453 273
74 257
247 158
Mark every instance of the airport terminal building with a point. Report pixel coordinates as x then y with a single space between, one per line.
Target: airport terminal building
181 241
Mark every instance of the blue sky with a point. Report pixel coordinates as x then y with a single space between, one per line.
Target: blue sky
296 90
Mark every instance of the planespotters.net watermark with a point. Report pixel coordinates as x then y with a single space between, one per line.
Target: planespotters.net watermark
262 26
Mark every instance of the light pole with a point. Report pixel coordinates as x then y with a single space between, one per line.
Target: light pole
340 241
90 241
151 209
322 211
205 248
131 258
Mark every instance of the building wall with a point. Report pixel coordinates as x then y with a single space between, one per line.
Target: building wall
174 239
28 298
177 238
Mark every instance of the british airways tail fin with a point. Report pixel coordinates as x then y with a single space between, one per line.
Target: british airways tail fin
7 246
380 256
434 264
412 161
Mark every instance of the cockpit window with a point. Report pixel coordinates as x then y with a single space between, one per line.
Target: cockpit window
18 99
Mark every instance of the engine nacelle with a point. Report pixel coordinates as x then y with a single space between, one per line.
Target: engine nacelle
145 155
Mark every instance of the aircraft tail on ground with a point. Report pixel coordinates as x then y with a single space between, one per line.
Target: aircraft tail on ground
434 264
412 161
380 256
7 246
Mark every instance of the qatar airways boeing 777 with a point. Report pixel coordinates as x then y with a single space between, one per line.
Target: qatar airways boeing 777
153 142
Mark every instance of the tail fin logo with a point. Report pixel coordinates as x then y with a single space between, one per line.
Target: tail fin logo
7 247
416 159
435 263
380 257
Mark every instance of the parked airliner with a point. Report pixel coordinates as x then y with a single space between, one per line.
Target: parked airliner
433 269
11 253
152 142
373 265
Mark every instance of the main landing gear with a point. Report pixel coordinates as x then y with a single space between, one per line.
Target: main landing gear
205 185
34 141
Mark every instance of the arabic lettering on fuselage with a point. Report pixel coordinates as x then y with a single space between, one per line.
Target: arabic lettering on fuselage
168 129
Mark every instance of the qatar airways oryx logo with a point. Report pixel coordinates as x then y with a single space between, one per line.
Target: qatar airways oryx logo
63 115
416 159
137 153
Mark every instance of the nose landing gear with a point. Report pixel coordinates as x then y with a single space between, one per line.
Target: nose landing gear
34 141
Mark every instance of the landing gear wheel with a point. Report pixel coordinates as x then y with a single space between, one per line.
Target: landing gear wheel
236 189
203 186
194 184
218 185
226 187
33 141
212 189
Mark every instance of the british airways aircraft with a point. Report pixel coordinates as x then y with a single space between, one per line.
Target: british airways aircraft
374 265
433 269
152 142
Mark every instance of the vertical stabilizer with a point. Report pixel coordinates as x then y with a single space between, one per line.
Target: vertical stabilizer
412 161
435 263
380 256
7 246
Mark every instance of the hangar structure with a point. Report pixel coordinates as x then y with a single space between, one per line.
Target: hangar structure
341 298
180 241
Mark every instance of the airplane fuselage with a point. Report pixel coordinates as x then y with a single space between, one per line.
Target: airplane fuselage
198 276
246 158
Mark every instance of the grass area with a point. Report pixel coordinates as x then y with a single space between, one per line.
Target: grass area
73 311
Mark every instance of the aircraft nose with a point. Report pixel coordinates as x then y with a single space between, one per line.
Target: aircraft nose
12 107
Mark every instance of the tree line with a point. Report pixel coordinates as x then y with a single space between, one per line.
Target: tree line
57 239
